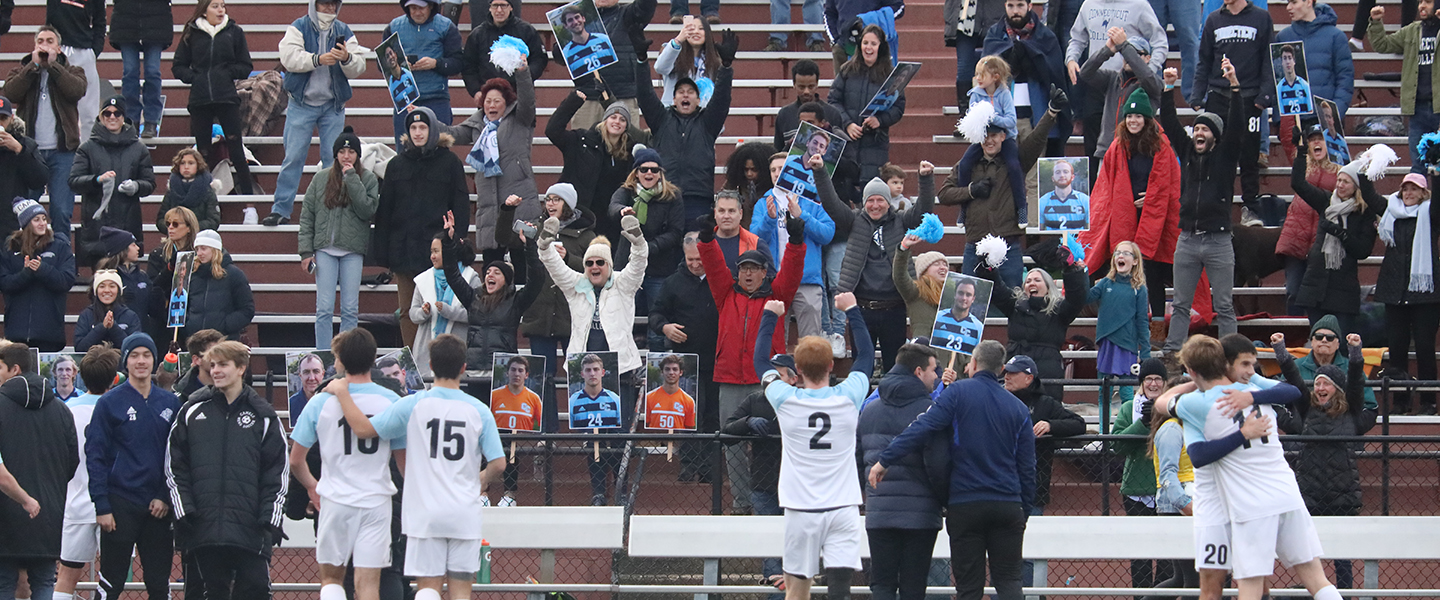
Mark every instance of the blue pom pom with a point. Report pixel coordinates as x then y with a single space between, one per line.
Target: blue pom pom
930 230
706 88
509 53
1077 251
1429 147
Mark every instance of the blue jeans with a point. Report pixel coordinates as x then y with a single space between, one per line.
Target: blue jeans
330 270
1012 272
812 11
649 291
682 7
1422 122
833 321
142 101
300 121
967 52
1184 15
40 572
62 200
439 106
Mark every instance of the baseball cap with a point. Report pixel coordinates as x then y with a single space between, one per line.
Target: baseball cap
7 107
1021 364
784 360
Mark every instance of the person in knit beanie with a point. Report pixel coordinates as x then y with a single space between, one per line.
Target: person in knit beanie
39 270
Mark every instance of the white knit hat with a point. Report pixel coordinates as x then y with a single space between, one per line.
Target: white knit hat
106 275
566 192
924 261
599 248
209 239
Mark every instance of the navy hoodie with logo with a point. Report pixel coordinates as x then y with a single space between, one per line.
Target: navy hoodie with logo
35 300
125 446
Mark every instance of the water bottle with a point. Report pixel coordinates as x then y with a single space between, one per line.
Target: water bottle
172 363
483 576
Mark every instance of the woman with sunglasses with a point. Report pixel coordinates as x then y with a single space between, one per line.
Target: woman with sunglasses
112 172
181 227
655 201
1325 337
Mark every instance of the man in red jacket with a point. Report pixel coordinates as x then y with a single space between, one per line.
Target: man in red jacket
740 303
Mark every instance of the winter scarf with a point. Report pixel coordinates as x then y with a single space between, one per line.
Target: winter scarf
191 192
443 295
1338 212
643 197
1023 33
1421 277
485 155
204 25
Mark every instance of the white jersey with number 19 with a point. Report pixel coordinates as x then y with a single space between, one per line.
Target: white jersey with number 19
817 465
355 472
453 436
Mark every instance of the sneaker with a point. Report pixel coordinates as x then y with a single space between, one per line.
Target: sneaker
713 19
1248 218
1264 160
507 500
837 345
775 46
817 46
1357 45
149 131
275 219
484 499
677 19
251 216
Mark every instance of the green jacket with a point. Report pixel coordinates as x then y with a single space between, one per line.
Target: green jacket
345 228
1139 475
1406 41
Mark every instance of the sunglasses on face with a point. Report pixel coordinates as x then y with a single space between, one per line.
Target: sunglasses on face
649 170
1324 337
595 263
110 114
174 224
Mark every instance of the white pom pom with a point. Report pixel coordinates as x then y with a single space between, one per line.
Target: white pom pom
992 250
972 126
1377 158
509 54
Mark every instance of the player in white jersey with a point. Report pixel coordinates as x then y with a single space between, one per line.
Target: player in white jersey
352 496
819 479
457 454
1262 502
80 535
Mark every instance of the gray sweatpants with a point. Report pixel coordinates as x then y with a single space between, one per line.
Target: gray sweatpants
1215 254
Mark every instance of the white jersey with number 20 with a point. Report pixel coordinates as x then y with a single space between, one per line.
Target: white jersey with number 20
817 465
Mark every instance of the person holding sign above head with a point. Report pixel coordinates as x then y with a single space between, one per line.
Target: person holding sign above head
1291 89
1064 208
668 406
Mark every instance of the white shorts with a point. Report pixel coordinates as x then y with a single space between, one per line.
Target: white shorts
79 542
835 535
1289 537
1212 547
437 557
347 532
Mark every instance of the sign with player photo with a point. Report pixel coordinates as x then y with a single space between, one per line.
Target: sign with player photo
400 366
1064 186
582 38
1334 128
517 380
960 326
671 385
395 66
1292 87
810 140
890 91
304 371
61 371
179 293
593 384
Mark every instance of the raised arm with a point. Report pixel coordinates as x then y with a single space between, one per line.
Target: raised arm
765 336
864 348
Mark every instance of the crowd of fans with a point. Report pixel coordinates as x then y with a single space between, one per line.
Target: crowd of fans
635 227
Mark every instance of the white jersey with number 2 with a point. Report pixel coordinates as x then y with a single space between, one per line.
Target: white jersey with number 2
817 465
355 472
450 436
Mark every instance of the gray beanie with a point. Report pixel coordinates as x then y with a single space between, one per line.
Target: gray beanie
876 187
1213 121
617 108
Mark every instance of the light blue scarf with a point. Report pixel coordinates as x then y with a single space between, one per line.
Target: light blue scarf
443 295
485 154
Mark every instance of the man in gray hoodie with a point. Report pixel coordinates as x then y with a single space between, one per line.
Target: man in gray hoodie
1092 31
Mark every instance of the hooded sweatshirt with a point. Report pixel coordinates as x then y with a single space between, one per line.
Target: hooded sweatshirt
1098 16
306 79
40 450
1329 68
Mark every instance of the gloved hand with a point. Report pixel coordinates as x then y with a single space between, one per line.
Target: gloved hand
795 226
1147 411
549 232
128 187
639 42
706 223
1334 229
630 228
1059 101
759 425
729 43
980 190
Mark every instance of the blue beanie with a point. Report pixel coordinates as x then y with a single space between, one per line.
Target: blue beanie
136 340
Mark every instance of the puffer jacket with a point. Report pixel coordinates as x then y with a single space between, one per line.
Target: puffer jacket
1063 424
513 136
42 453
477 68
35 300
347 227
616 302
1336 290
1298 233
141 22
850 94
740 312
862 230
438 38
1393 283
123 153
664 228
225 305
549 315
1033 332
227 472
1328 476
492 329
210 65
589 166
916 486
1329 67
687 143
420 186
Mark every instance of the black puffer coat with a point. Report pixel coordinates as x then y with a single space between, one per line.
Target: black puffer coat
1337 290
686 143
664 229
492 327
594 172
211 65
420 185
41 452
1034 332
1327 474
141 22
1393 283
122 153
227 472
549 315
917 486
225 305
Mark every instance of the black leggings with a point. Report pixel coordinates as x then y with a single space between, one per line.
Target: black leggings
228 116
1417 322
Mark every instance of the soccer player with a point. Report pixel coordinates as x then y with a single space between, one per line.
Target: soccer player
352 497
1266 515
819 479
955 327
516 407
1293 90
80 540
669 407
1064 208
593 406
458 454
586 51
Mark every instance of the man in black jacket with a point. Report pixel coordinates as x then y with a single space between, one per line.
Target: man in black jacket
41 451
21 170
684 312
501 17
227 473
1207 189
